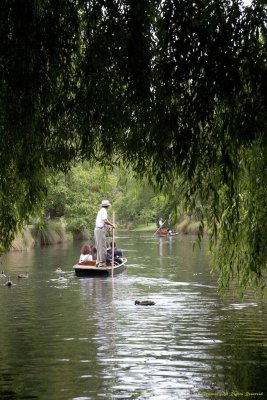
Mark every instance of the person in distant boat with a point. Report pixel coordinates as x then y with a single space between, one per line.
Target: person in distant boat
100 234
161 223
86 253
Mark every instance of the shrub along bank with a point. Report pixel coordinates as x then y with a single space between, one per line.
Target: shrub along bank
40 234
53 232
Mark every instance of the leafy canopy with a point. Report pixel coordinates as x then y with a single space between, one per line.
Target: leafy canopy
173 88
76 197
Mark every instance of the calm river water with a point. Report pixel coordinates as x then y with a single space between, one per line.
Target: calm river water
83 338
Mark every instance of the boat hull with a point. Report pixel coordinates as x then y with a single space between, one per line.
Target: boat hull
168 234
90 269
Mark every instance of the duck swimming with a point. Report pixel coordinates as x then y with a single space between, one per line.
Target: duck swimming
2 275
144 303
9 282
24 276
59 271
62 279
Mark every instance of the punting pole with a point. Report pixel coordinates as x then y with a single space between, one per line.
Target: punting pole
159 227
113 242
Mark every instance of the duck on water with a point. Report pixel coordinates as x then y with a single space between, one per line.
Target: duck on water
144 303
9 283
23 276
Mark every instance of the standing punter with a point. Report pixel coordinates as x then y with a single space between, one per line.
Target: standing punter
100 234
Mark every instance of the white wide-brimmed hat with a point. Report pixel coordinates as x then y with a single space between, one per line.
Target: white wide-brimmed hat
105 203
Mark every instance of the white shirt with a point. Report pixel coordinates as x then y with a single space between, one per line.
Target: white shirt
102 215
85 257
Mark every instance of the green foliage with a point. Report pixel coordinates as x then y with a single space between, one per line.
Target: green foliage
137 202
241 253
36 97
46 232
188 226
78 194
174 89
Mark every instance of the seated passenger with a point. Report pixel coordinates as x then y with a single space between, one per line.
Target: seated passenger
117 254
94 252
86 253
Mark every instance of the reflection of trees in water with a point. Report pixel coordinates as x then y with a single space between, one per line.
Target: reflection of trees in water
241 357
99 291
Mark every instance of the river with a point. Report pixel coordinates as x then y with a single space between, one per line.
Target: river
69 338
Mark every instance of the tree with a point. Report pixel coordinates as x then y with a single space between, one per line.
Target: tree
134 200
176 89
77 196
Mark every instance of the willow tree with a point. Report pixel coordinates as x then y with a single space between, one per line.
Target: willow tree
175 89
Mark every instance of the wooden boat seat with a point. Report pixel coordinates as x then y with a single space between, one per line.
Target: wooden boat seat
91 263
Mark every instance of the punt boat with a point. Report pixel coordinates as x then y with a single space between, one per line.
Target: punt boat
89 268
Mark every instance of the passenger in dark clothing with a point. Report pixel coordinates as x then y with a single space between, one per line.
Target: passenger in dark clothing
117 254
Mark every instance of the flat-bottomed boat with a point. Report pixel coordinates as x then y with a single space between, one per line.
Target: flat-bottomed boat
89 268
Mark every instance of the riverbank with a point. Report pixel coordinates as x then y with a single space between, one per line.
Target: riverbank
186 226
55 232
49 233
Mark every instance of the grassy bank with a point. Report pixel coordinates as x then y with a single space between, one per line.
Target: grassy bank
47 233
145 228
186 226
23 241
40 235
55 232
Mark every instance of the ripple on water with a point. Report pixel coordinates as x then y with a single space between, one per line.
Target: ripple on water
89 341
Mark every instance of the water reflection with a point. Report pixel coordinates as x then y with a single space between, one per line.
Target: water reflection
83 338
